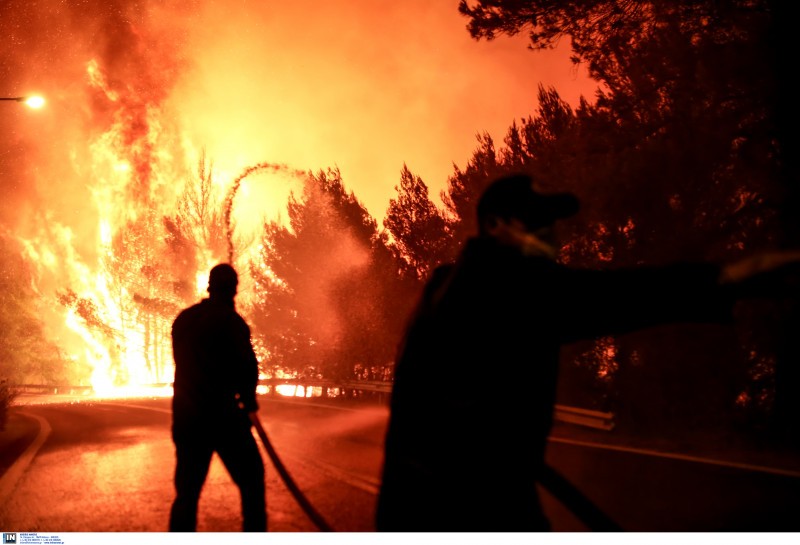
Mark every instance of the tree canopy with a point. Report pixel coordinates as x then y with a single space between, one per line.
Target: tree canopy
327 285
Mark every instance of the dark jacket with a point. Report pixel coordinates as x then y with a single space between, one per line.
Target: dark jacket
215 366
475 380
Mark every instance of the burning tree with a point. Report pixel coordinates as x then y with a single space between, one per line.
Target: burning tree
27 355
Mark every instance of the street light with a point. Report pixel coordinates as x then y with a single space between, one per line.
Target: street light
34 101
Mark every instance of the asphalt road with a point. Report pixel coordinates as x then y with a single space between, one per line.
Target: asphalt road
106 466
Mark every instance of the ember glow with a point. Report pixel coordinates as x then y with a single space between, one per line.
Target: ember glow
160 114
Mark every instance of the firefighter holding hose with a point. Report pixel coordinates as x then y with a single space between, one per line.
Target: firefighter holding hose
216 373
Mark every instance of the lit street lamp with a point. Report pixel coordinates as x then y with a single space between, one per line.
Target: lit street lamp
33 101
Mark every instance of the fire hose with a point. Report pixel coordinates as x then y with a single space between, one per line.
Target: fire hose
563 490
566 492
305 505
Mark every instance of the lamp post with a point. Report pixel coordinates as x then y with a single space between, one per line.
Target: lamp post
33 101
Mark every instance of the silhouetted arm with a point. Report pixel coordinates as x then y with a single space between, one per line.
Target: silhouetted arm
598 303
768 274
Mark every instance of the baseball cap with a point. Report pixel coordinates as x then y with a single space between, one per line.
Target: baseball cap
514 196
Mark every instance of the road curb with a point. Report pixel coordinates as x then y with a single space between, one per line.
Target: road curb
9 479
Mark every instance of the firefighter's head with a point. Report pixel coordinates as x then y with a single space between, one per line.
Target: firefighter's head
512 211
514 197
223 281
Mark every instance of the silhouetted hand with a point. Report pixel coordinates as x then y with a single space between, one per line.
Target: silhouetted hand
769 274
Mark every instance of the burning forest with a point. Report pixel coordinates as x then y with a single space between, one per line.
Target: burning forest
164 147
180 134
111 227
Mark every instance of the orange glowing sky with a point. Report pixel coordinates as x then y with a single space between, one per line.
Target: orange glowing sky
362 85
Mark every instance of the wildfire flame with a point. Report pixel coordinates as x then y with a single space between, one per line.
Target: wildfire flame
154 242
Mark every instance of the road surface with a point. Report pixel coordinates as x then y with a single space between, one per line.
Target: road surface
106 466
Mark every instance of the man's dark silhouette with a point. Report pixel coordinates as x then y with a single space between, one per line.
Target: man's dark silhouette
464 451
216 373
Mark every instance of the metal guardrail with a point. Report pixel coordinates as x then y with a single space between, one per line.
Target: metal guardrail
584 417
564 413
378 386
52 389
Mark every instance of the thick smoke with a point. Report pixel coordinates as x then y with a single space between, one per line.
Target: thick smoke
94 61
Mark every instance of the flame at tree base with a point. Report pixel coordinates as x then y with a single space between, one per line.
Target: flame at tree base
129 391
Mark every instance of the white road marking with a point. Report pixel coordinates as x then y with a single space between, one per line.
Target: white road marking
676 456
361 482
9 479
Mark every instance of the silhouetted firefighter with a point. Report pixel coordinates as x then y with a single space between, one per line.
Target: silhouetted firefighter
464 452
216 373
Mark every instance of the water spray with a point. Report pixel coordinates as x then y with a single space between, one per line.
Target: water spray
237 182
